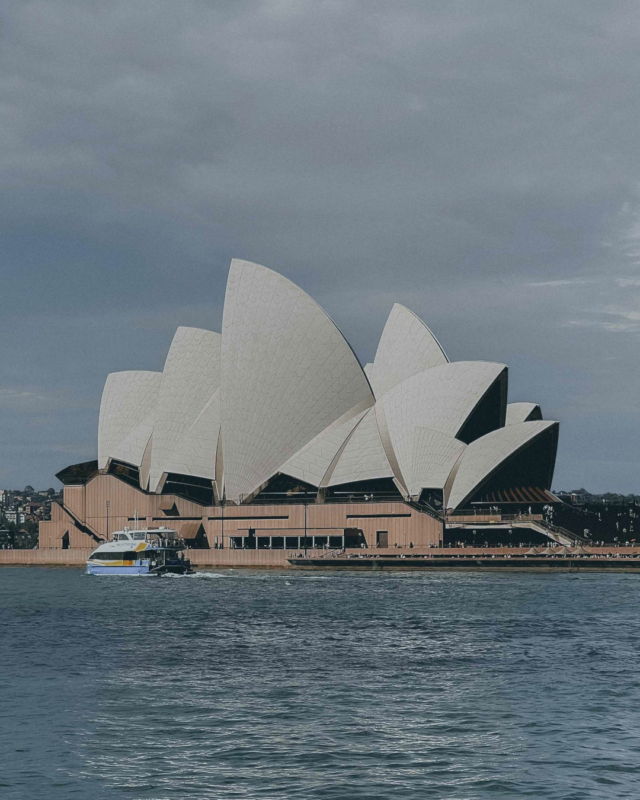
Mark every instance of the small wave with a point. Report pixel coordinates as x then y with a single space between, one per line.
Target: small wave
206 575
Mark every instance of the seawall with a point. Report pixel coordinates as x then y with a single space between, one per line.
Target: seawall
445 557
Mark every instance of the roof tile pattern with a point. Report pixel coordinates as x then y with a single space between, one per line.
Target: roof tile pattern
281 391
486 454
312 462
363 457
433 456
441 399
521 412
406 347
132 448
195 454
287 374
190 377
368 371
128 399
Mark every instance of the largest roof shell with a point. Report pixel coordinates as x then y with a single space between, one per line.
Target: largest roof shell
287 374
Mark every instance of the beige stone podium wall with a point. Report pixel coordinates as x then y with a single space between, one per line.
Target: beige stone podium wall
403 523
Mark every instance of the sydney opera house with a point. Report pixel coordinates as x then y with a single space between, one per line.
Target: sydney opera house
271 435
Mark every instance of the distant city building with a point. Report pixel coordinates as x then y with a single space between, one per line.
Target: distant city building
278 411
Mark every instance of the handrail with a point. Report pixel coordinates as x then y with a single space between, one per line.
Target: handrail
497 517
570 535
532 519
82 526
566 532
331 553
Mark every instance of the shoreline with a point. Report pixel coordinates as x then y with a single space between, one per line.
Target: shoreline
607 559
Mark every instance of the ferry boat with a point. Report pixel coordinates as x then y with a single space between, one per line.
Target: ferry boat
140 552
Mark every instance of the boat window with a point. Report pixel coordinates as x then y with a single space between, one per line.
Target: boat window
139 537
114 556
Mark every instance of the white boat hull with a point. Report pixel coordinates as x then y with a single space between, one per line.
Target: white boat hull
105 569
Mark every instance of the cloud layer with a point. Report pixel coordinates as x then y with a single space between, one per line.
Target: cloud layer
476 161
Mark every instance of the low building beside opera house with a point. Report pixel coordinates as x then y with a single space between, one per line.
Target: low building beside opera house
271 431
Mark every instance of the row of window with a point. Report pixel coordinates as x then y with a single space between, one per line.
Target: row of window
127 555
285 542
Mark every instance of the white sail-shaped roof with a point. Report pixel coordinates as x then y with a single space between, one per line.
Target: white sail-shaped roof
522 412
406 347
363 457
191 376
287 374
132 448
314 460
433 455
195 454
440 399
484 456
368 371
128 401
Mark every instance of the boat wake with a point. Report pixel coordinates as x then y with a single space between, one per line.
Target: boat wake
204 575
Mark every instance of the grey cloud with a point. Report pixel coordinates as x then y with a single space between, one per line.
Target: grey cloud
476 161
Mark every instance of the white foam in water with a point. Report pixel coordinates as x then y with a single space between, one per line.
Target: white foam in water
193 575
207 575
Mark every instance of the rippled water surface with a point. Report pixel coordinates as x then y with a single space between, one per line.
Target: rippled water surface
278 685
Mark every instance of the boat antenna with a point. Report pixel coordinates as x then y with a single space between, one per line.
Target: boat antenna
135 516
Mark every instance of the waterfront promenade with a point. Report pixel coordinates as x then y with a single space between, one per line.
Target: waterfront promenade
627 558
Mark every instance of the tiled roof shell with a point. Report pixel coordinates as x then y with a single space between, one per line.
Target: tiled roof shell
287 374
191 376
312 463
439 399
363 457
433 455
521 412
126 414
195 453
406 347
486 454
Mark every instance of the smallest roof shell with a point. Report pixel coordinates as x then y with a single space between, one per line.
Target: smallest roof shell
522 412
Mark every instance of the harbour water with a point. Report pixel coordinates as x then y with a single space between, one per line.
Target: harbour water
336 686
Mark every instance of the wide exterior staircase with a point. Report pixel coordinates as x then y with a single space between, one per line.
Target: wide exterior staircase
555 532
533 522
83 527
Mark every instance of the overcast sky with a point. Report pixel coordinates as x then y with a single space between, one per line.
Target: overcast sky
477 161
